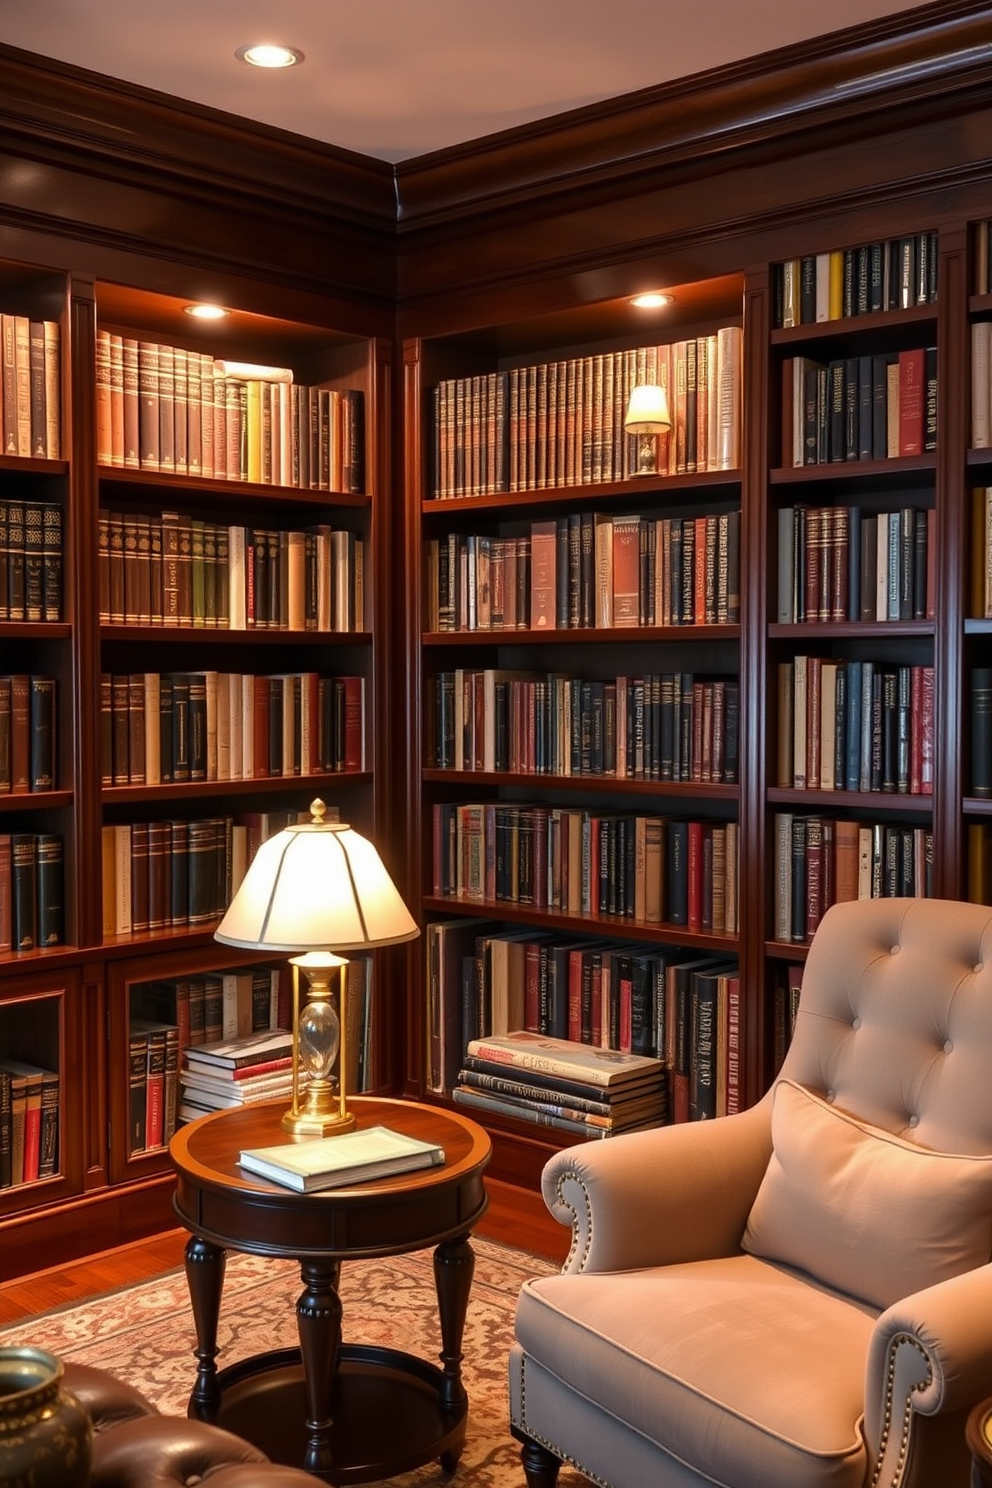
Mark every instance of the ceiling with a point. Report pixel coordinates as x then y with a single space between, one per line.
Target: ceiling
399 78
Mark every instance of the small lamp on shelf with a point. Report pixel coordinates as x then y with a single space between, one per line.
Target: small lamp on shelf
647 416
317 888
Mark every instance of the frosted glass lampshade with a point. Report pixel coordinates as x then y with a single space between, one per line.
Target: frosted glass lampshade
647 410
316 886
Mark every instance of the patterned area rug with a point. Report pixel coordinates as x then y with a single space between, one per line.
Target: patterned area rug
145 1335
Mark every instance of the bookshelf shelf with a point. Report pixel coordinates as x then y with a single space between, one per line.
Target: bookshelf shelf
616 926
598 784
629 635
876 630
655 489
196 635
873 474
879 326
226 493
272 785
860 801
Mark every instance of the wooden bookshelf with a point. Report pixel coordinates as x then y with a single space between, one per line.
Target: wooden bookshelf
492 258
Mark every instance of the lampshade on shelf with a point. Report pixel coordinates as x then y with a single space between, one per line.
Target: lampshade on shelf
647 416
317 888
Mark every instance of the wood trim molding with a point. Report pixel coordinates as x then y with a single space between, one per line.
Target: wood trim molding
896 66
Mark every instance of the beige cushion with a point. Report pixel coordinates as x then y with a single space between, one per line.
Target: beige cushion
862 1210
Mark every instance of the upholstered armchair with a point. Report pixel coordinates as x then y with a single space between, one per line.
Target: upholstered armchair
798 1296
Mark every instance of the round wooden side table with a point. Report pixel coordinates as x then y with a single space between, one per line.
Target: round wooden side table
322 1406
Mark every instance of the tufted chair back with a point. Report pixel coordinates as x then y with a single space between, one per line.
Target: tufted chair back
895 1019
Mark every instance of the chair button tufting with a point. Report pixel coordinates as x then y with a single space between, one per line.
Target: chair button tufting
894 950
914 1120
856 1023
948 1046
979 968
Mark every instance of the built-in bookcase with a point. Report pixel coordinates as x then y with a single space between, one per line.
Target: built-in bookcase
187 663
579 660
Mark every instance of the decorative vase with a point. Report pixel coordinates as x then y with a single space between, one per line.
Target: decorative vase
46 1437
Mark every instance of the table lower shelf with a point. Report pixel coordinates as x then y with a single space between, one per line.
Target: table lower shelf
263 1400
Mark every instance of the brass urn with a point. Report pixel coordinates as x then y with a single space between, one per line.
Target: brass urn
46 1437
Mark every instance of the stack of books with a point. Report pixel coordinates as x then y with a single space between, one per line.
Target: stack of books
236 1072
578 1088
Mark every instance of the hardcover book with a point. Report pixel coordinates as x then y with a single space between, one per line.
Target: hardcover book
333 1162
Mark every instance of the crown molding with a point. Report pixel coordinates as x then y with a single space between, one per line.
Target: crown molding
914 62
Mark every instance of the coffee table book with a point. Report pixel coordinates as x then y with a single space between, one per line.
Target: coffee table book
332 1162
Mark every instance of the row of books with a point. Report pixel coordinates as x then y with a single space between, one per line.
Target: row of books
30 560
859 408
588 570
855 726
845 563
159 728
175 569
32 890
244 1000
30 387
980 560
663 726
184 412
615 1004
573 1096
894 274
820 861
29 1122
561 423
27 733
653 869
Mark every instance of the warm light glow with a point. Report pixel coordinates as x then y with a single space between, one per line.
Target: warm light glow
266 55
654 300
647 411
206 312
316 886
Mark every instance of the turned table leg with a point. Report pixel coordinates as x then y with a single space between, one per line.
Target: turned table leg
205 1266
318 1319
454 1264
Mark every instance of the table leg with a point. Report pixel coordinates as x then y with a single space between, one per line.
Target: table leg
318 1319
205 1266
454 1264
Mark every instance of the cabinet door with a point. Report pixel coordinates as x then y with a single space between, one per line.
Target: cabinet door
44 1087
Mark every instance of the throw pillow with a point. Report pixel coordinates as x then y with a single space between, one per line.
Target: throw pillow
862 1210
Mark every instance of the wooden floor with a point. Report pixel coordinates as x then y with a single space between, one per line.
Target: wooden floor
515 1217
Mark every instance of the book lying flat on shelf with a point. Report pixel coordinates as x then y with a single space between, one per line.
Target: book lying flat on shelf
332 1162
555 1056
253 1049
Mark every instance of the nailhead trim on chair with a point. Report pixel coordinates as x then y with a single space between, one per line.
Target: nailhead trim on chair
543 1441
571 1173
899 1338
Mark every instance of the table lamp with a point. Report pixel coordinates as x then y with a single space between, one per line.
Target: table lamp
317 888
647 416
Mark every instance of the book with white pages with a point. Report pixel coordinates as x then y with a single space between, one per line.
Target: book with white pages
333 1162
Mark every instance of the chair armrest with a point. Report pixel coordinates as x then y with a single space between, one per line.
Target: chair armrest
930 1354
675 1193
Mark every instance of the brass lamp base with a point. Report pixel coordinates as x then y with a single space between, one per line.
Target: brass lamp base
317 1123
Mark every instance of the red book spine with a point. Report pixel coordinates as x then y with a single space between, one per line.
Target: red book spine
912 400
915 731
575 996
32 1139
695 918
354 723
926 732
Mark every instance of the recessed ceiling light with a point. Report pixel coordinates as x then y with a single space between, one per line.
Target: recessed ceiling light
653 300
264 54
206 312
